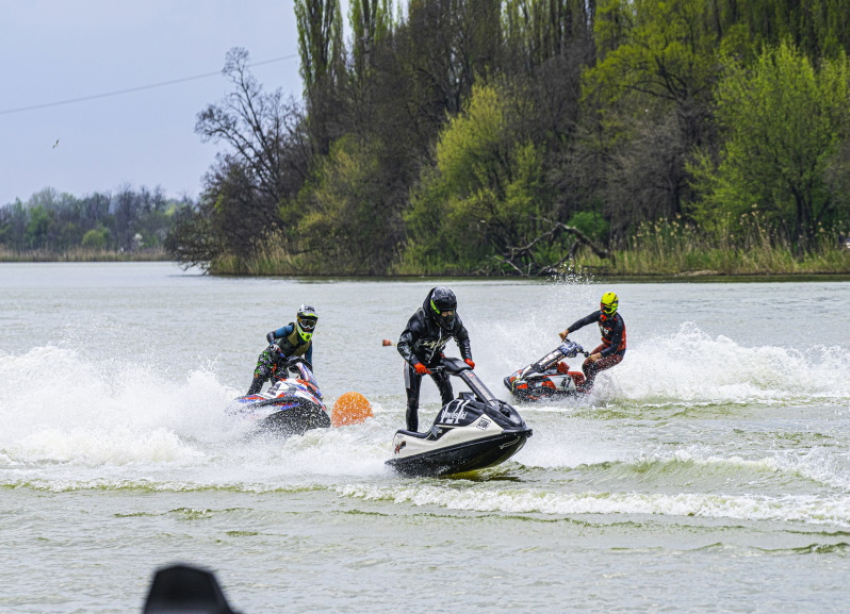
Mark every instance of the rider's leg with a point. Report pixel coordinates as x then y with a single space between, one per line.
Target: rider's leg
592 369
256 385
412 384
444 385
262 372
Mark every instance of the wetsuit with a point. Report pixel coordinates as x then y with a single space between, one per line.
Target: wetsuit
613 347
290 344
423 341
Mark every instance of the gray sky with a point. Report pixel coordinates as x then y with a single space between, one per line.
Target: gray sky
58 50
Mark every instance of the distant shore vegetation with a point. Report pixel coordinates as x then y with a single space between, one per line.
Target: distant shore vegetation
126 225
533 137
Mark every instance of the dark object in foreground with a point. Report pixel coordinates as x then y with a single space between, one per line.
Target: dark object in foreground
474 431
182 589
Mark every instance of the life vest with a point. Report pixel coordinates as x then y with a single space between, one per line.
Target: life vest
606 329
292 344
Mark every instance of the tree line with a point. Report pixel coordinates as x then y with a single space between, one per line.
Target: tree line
497 136
125 221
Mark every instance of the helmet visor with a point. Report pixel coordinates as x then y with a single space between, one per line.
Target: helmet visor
307 323
608 310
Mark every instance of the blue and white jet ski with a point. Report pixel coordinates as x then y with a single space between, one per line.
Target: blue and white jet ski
291 406
474 431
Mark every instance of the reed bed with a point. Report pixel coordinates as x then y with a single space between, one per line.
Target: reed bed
748 248
80 254
271 259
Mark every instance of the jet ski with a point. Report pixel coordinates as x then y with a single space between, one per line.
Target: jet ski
291 406
474 431
549 377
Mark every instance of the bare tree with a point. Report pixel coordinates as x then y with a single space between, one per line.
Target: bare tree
266 163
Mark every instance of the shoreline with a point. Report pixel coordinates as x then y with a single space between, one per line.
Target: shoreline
589 274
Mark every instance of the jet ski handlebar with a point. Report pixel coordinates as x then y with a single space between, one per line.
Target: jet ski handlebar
571 349
296 360
291 362
451 365
567 349
458 368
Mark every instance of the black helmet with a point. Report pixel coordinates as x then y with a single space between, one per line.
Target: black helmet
305 321
443 305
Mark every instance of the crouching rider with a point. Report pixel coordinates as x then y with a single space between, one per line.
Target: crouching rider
294 339
613 347
421 345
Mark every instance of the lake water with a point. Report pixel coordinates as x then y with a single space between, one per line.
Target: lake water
709 472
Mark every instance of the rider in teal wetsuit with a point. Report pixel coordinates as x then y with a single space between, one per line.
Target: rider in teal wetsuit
294 339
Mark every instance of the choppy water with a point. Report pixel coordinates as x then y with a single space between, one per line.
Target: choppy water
709 472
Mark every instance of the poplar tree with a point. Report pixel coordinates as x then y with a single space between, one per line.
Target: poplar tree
322 54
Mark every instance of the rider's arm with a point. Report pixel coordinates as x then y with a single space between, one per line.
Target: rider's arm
309 355
590 319
406 340
280 332
462 336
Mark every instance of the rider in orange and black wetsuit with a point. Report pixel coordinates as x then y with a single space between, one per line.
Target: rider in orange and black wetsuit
613 347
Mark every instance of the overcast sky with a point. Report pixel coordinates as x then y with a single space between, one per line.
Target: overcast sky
57 50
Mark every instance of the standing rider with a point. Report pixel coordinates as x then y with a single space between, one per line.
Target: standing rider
294 339
613 347
421 345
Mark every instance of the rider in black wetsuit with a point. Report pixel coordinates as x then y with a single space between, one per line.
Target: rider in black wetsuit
294 339
613 347
421 345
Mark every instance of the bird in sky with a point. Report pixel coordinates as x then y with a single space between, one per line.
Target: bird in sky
56 144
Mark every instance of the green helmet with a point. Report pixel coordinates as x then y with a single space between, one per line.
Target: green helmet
609 303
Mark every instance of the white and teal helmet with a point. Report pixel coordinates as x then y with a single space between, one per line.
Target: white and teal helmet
305 322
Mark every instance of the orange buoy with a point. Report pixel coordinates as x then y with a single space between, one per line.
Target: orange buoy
386 343
351 408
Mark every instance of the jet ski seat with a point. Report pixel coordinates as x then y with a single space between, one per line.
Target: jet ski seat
432 433
415 434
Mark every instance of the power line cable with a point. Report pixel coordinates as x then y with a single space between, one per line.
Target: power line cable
137 89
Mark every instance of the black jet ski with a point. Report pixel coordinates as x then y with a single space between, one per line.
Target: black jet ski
474 431
291 406
549 377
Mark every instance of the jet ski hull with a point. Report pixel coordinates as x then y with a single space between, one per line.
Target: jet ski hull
463 457
545 388
283 416
296 419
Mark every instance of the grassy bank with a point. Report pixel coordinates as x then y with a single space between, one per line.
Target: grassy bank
84 255
626 263
668 251
676 250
